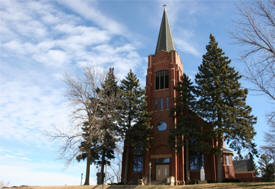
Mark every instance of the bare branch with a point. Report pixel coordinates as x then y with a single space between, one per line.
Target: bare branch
80 92
256 31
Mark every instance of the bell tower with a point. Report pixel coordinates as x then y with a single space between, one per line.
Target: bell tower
163 73
161 162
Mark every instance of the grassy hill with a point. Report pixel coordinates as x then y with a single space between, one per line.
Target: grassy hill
197 186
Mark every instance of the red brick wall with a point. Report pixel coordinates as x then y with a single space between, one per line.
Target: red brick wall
160 147
248 176
171 62
229 171
195 175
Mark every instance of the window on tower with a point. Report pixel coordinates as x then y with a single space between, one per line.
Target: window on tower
162 79
156 104
161 103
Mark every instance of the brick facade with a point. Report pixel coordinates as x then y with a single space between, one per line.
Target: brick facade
159 148
164 161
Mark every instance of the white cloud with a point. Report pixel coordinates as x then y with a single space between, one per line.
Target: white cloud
18 169
186 47
29 109
59 40
39 41
179 10
35 103
13 155
88 10
53 58
24 175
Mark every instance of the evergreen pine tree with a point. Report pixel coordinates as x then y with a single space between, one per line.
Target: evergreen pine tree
109 99
252 163
84 96
134 118
87 150
187 124
222 102
267 168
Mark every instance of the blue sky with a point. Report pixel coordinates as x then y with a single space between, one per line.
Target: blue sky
40 41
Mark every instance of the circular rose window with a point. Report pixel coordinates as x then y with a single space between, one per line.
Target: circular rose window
162 126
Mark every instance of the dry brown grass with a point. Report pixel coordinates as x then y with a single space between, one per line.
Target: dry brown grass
255 185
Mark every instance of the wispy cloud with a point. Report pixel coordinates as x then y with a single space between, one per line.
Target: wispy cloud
47 34
28 110
23 175
18 167
89 11
183 11
13 155
186 47
39 42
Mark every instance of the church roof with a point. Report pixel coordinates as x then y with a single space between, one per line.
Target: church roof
165 39
225 150
243 165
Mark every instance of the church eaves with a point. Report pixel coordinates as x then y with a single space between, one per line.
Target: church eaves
165 40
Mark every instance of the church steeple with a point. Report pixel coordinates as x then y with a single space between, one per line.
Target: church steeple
165 40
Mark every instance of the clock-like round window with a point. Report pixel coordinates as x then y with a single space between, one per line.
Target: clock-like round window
162 126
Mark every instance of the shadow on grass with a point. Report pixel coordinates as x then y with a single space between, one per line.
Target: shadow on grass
256 184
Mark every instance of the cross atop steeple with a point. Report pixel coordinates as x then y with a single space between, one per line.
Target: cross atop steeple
165 39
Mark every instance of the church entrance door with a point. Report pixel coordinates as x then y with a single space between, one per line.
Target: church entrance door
162 172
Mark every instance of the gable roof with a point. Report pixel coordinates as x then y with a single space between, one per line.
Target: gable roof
242 165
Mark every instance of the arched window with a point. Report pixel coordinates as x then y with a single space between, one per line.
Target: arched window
162 79
196 162
161 103
138 164
167 102
156 104
137 158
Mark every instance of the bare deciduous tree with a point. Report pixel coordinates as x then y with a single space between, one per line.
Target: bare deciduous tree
82 93
269 146
116 167
256 32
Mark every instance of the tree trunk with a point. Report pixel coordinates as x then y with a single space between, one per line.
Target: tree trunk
87 178
126 165
186 152
102 167
220 159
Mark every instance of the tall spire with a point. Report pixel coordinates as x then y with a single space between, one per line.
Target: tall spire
165 40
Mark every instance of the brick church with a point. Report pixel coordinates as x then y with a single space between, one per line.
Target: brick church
160 163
